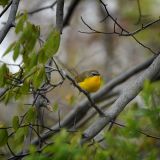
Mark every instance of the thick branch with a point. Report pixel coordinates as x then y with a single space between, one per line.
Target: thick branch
123 77
80 110
10 21
59 15
127 95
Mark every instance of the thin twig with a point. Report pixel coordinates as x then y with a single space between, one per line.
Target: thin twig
42 8
140 131
123 31
139 11
86 94
13 154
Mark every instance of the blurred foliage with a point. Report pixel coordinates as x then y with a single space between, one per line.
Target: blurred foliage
132 142
4 2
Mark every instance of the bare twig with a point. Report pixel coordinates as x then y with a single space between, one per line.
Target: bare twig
123 31
140 131
139 11
42 8
11 151
92 103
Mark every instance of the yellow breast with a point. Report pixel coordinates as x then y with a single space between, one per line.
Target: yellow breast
91 84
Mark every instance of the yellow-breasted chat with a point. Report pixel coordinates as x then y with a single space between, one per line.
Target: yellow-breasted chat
89 81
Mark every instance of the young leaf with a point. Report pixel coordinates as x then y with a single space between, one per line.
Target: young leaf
42 58
2 79
16 51
4 72
20 134
39 77
31 115
33 60
3 135
4 2
8 96
15 123
25 87
29 37
21 22
52 44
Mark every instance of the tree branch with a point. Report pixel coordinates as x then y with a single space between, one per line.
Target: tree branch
59 15
127 95
42 8
10 21
83 107
92 103
122 31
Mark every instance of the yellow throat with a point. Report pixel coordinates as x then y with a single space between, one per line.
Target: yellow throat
90 81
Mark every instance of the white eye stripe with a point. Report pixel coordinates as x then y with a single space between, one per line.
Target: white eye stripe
94 73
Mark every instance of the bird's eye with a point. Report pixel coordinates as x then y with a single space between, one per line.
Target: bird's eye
94 73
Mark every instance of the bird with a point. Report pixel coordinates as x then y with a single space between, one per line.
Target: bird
89 81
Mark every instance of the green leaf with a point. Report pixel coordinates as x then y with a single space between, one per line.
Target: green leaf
31 115
147 92
4 2
4 72
32 149
20 134
42 58
25 87
39 77
148 88
2 79
17 92
29 72
3 135
16 51
9 49
52 44
8 96
25 59
29 37
15 123
21 22
55 106
33 60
